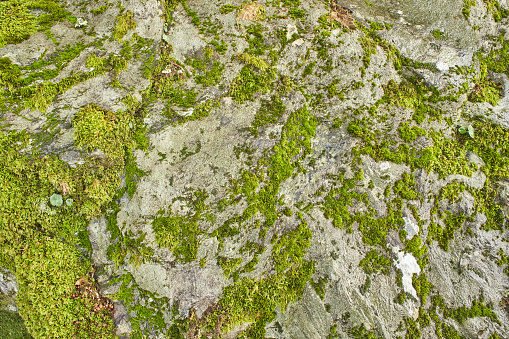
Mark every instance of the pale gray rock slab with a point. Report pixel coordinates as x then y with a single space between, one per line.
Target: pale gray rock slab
305 318
28 51
100 239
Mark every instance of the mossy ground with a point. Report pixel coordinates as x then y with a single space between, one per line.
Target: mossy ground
41 241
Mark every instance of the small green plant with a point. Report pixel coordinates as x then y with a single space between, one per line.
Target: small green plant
438 34
469 130
56 200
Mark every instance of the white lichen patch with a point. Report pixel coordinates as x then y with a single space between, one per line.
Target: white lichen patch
81 23
408 265
411 228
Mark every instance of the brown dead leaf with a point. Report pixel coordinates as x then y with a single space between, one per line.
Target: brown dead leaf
65 188
342 15
250 12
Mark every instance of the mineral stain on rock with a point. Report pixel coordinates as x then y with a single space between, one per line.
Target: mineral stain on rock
264 169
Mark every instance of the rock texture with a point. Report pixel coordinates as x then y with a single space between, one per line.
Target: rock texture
403 220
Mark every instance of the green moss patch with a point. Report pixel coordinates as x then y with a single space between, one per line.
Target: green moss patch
17 23
180 234
12 326
249 81
47 273
124 23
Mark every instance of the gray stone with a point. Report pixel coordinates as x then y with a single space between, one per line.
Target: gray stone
305 318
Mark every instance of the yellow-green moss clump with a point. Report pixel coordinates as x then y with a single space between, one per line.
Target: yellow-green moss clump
47 273
17 23
38 241
124 23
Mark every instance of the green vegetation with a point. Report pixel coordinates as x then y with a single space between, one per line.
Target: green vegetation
180 234
374 263
54 267
269 113
255 300
485 89
104 130
124 23
149 314
17 23
336 202
497 12
445 234
225 9
467 4
409 134
254 61
403 187
12 326
99 10
438 34
249 81
289 249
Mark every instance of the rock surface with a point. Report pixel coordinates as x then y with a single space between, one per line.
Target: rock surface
292 141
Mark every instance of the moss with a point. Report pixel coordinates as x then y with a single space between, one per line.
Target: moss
229 265
504 259
415 246
486 202
319 288
295 144
360 332
269 113
12 326
255 39
400 298
336 202
369 46
451 192
438 34
467 4
485 89
422 286
364 288
53 268
123 23
129 246
309 69
225 9
249 81
445 157
254 61
497 60
288 250
403 187
497 12
256 300
492 145
40 96
210 71
94 62
180 234
99 10
17 23
374 263
149 318
444 235
461 314
375 230
409 134
104 130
